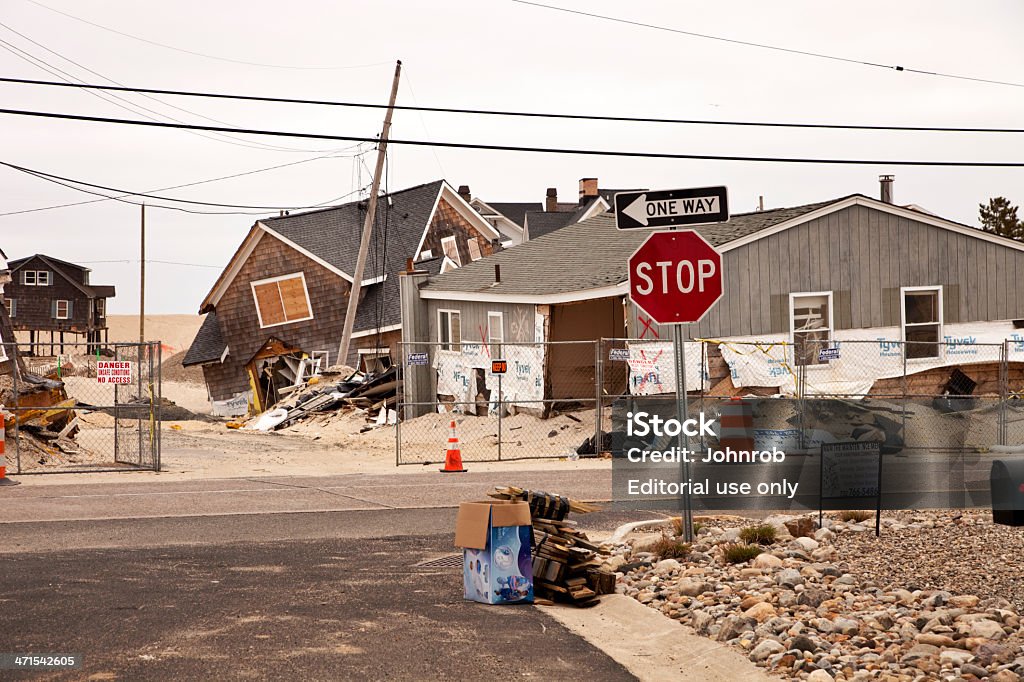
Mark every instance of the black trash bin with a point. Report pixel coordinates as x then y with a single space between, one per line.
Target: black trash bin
1007 479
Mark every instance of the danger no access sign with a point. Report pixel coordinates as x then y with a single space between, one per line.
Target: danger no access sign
113 372
670 207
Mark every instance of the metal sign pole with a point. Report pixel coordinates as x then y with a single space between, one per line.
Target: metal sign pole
682 412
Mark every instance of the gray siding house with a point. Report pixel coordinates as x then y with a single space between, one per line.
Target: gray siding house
853 268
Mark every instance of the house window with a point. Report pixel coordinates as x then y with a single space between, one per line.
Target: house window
474 250
12 306
62 309
28 278
101 307
43 278
449 330
34 278
3 350
922 321
810 324
320 359
451 249
280 300
495 334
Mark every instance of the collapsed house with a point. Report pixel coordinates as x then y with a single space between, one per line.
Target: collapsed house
275 314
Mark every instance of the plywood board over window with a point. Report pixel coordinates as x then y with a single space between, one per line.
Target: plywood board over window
280 300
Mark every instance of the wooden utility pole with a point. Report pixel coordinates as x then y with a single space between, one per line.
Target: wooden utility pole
371 212
142 277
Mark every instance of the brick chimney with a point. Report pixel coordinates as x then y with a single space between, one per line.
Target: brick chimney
464 193
551 200
886 182
588 188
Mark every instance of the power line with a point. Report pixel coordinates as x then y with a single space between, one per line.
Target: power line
765 46
150 260
187 184
522 114
72 184
71 80
201 54
515 148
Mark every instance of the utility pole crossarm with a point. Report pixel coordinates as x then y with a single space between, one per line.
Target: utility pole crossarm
371 212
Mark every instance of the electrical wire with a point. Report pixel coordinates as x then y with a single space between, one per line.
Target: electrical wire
525 114
523 148
69 184
72 79
765 46
187 184
201 54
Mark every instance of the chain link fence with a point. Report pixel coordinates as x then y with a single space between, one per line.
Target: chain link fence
90 408
543 406
954 398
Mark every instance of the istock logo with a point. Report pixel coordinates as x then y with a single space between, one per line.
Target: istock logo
643 424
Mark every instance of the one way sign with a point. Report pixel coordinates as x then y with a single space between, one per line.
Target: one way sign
664 208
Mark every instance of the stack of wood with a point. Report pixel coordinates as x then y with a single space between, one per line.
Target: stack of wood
566 567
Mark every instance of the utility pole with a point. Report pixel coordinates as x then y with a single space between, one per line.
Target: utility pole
371 211
142 277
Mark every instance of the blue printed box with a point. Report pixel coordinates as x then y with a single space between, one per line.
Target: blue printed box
496 538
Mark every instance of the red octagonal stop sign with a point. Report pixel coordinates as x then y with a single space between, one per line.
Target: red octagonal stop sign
675 277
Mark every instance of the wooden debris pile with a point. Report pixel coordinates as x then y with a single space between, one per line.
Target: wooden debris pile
566 567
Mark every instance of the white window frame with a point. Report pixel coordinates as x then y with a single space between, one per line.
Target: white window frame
475 253
939 346
101 307
3 350
495 340
67 309
322 358
12 307
450 344
43 278
792 321
309 304
451 240
24 278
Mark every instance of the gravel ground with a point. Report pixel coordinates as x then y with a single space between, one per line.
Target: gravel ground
961 552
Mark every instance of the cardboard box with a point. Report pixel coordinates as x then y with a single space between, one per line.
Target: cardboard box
496 536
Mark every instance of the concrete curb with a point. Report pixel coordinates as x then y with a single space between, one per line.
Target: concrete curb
652 646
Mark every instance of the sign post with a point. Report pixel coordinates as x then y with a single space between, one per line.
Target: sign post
675 278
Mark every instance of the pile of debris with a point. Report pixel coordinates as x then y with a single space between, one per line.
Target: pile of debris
323 394
566 567
44 416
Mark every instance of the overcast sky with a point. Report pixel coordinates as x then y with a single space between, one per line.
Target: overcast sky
497 54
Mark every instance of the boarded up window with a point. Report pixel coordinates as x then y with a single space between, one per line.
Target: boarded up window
282 300
474 250
451 249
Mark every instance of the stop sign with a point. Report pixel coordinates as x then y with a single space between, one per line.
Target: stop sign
675 277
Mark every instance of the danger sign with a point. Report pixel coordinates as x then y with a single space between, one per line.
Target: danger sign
113 372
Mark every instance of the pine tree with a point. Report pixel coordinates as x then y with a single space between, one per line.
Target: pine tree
1000 217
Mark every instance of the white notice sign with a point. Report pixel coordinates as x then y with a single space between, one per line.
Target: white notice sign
113 372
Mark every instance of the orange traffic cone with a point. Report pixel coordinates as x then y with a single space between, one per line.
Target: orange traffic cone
453 456
3 458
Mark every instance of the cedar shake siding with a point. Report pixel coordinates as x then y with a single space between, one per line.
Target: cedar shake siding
240 324
448 222
36 306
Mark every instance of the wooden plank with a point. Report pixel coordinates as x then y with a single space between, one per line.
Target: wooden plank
874 296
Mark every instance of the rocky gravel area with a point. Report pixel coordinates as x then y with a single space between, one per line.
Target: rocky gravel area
835 603
948 550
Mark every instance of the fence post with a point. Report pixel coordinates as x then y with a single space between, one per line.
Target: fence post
1002 432
599 395
159 404
17 428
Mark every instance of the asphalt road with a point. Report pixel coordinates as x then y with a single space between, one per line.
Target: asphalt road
305 579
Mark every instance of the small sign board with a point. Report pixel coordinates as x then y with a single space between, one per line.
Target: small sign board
827 354
852 470
671 207
618 354
113 372
499 366
416 359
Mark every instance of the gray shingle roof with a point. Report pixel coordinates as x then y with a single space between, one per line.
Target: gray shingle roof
540 223
208 346
334 234
587 255
515 211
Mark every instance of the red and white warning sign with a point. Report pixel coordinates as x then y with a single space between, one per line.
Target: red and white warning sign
113 372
